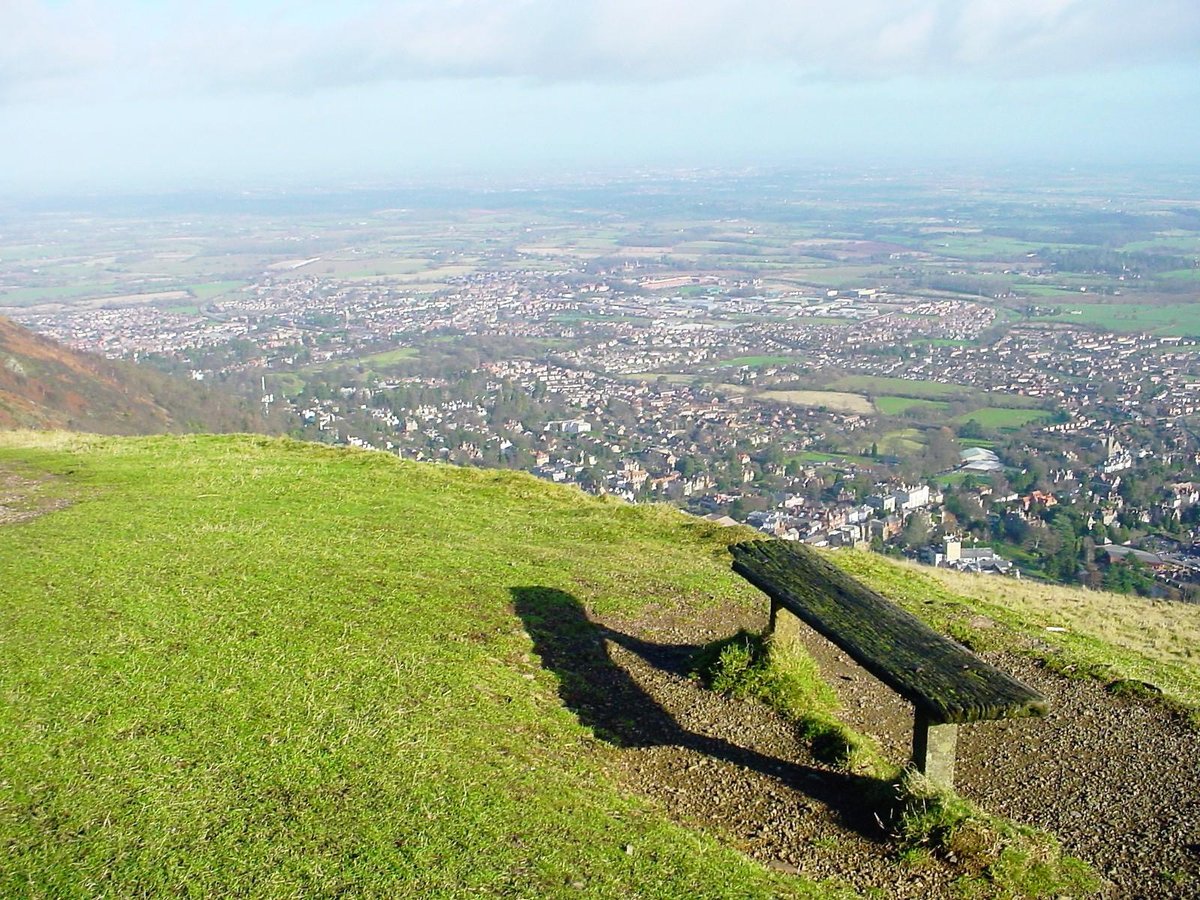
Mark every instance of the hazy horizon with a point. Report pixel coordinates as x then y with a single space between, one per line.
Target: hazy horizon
139 96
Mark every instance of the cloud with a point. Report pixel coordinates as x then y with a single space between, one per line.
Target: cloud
76 49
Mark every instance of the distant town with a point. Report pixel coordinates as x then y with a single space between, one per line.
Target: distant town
979 397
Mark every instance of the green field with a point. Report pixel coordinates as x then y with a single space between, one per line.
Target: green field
1002 417
1178 242
957 478
388 357
981 246
1182 275
1007 400
249 667
894 406
1169 319
902 442
255 667
834 276
289 383
815 456
56 294
205 292
899 387
1045 290
381 360
757 361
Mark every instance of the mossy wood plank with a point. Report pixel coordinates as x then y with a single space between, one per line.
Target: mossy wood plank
939 676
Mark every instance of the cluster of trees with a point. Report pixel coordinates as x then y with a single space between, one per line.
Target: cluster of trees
1112 262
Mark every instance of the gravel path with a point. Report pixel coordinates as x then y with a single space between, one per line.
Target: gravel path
1117 780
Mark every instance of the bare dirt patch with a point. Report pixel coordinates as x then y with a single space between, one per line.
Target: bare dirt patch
24 497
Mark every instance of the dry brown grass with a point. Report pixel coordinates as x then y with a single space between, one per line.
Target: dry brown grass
1111 635
1160 629
840 401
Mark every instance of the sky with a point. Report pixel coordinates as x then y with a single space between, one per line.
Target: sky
154 94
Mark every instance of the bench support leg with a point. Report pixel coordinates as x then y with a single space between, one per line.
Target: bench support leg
785 626
934 747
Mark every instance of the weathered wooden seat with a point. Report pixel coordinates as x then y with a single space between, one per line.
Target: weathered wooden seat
947 684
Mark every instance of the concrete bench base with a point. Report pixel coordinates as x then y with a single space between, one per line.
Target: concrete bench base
934 748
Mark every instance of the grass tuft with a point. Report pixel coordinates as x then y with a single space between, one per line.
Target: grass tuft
997 857
749 665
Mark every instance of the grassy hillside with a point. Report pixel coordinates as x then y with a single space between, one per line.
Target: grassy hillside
1092 633
46 385
239 666
244 666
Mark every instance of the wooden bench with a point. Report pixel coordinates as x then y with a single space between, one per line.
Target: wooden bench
946 683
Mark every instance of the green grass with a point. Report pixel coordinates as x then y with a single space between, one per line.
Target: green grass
241 666
902 442
1109 636
387 357
1182 275
756 361
1002 417
289 383
1003 858
788 680
956 478
894 406
811 456
832 276
1038 289
205 292
381 360
1006 400
982 246
899 387
1168 319
1181 242
56 294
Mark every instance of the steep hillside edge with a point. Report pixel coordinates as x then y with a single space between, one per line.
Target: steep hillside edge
46 385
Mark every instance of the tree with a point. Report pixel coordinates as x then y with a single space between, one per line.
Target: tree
1129 575
941 449
971 430
916 530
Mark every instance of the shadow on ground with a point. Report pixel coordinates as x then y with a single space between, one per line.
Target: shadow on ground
608 700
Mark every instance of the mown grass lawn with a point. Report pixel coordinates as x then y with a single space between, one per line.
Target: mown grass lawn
1002 417
894 406
252 667
900 387
1180 319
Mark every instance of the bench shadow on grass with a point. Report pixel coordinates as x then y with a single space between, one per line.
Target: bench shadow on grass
606 699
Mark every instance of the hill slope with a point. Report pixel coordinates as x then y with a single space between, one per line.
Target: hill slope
46 385
259 667
266 668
